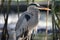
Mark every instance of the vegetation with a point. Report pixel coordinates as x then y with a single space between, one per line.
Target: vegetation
55 11
40 36
57 8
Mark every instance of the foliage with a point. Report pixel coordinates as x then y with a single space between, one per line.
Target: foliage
57 8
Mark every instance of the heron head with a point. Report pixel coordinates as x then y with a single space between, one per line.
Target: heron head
33 9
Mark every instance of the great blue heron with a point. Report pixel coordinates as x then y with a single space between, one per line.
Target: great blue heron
27 21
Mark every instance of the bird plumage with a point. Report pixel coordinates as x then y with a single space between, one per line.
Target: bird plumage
27 20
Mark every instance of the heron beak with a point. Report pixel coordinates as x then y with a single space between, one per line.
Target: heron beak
44 9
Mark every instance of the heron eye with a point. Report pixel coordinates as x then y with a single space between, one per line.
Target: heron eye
27 17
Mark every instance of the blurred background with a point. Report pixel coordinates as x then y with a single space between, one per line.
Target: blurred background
48 27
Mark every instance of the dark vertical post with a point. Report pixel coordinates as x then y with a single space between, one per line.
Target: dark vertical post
53 12
27 2
2 4
2 8
18 7
5 35
32 1
53 26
